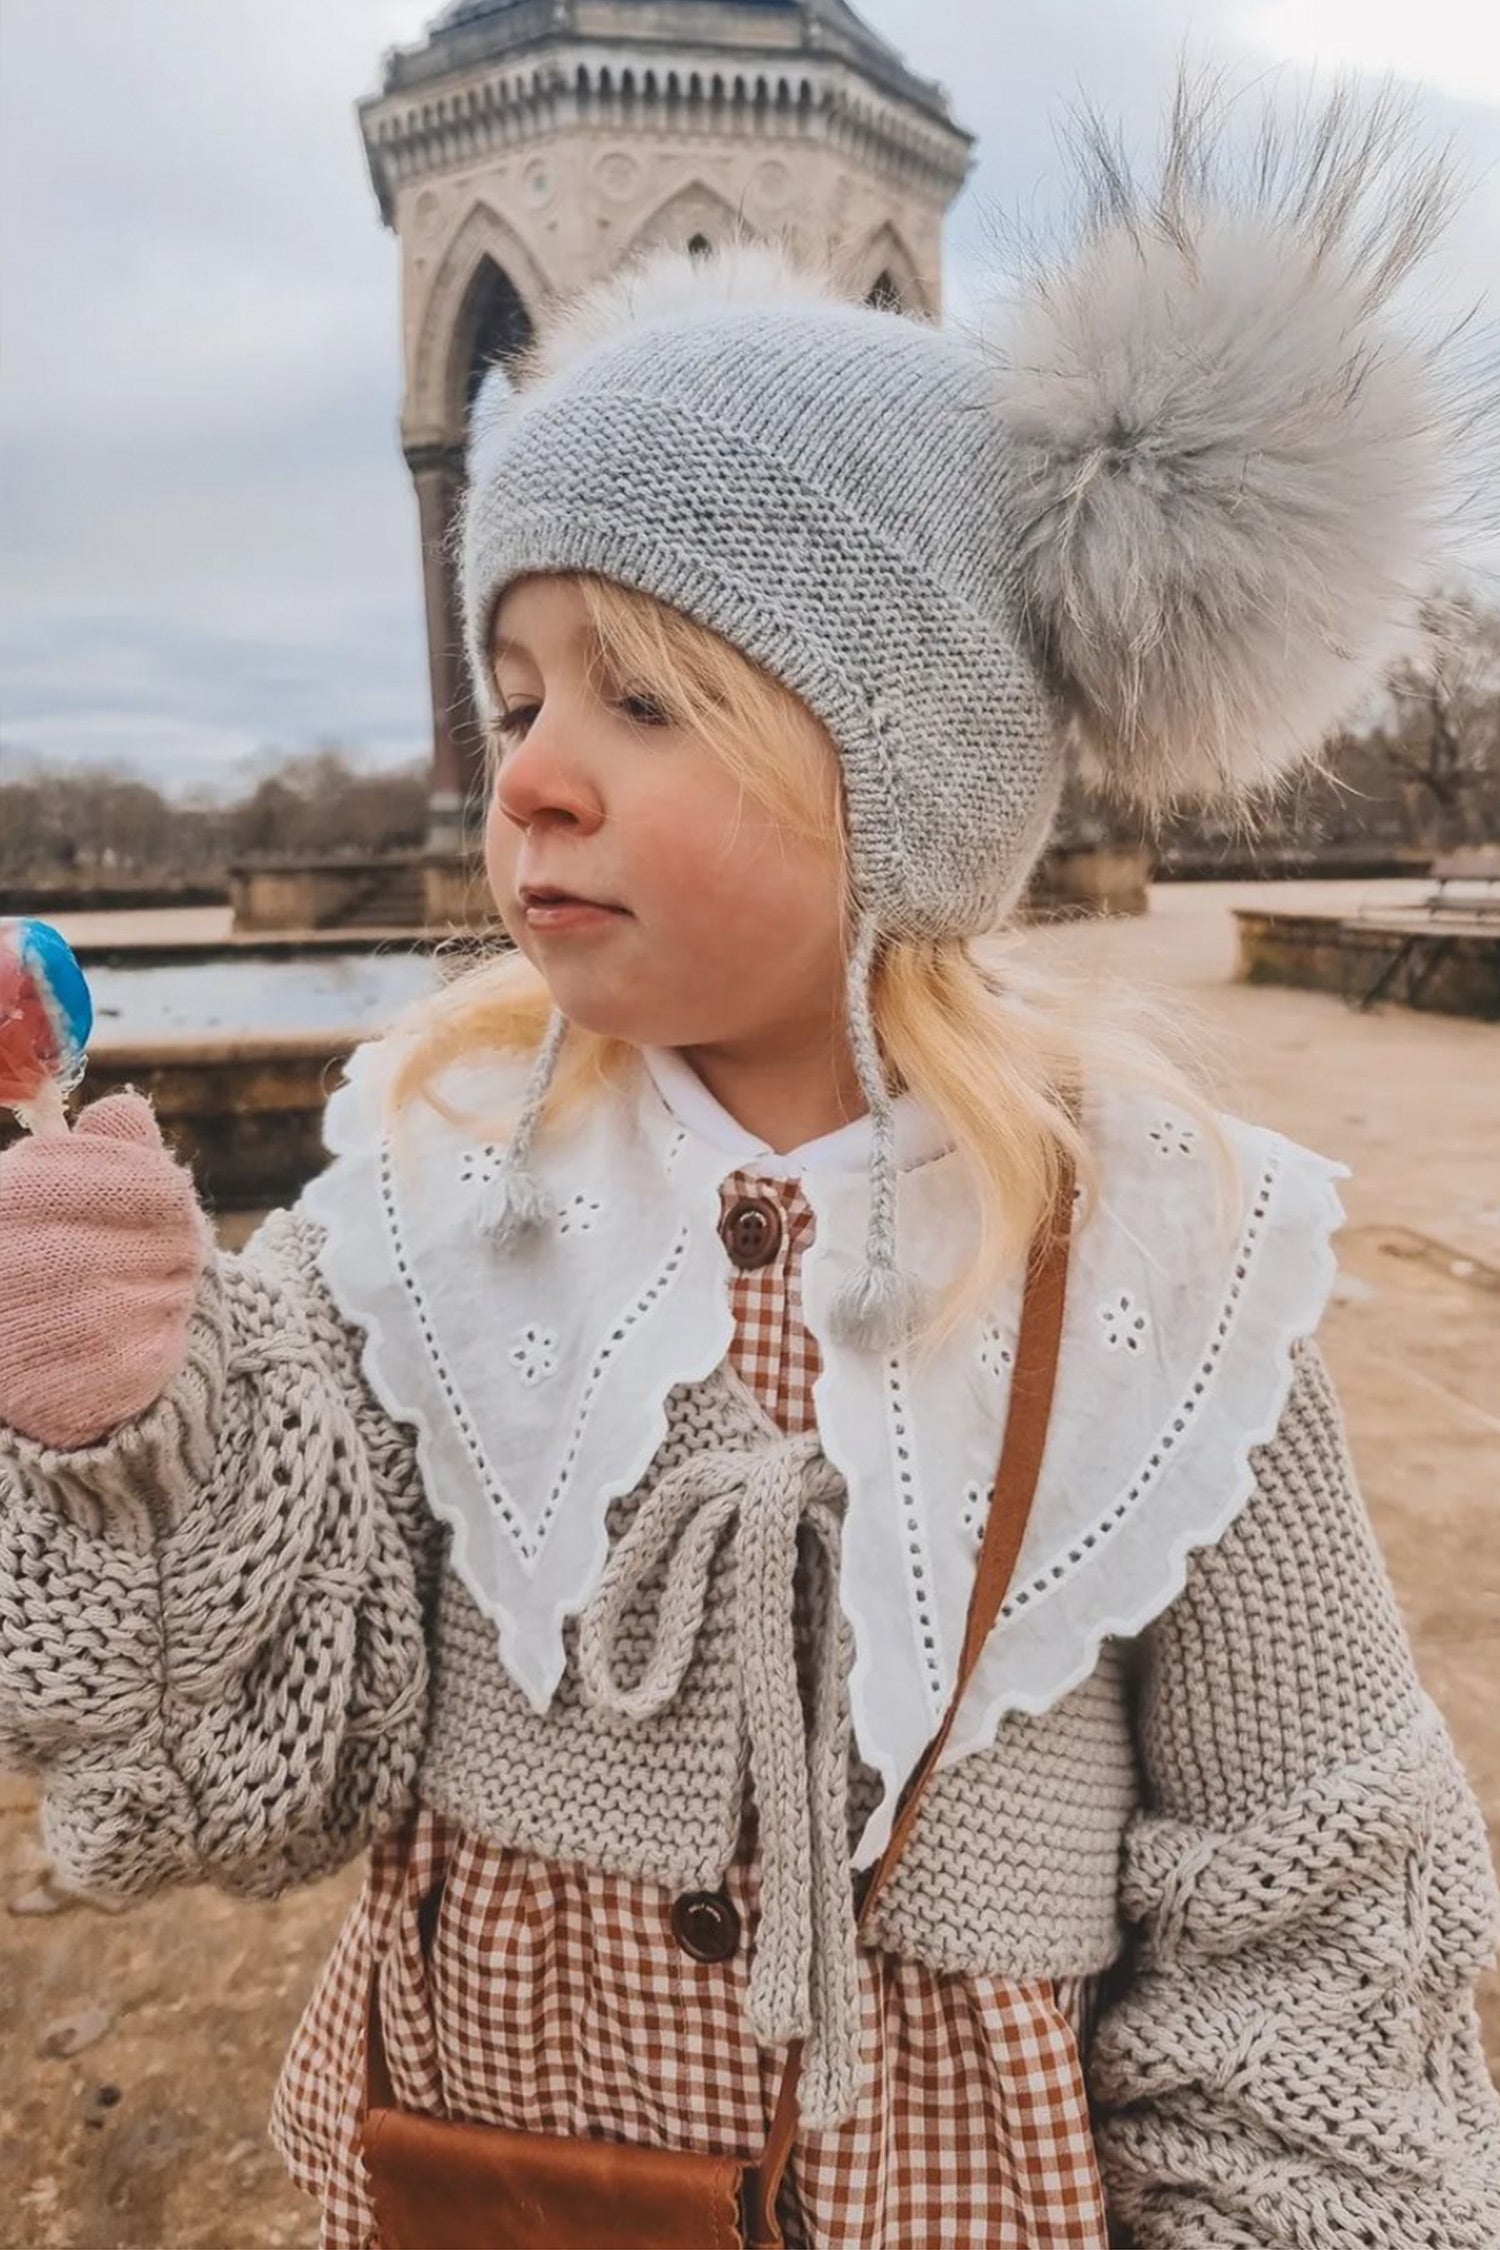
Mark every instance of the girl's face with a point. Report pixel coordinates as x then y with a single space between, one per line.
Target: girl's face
660 902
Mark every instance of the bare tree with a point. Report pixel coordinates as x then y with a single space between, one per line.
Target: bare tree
1444 746
321 804
92 822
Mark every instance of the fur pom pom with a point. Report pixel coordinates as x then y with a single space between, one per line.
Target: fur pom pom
670 284
494 403
1229 476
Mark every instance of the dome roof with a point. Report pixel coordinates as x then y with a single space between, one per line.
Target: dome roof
469 31
474 11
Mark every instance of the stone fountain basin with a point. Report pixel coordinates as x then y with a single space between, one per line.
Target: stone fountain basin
323 993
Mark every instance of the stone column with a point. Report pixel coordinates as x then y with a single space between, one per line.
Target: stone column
457 747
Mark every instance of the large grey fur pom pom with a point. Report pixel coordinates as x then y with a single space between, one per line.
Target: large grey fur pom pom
1230 462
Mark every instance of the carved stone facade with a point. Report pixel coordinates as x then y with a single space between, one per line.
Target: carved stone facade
528 147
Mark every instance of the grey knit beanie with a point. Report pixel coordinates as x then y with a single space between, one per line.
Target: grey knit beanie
1179 493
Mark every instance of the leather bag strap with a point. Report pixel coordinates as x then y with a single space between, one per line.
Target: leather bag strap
1033 1382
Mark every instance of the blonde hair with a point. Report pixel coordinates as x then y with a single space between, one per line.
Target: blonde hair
997 1047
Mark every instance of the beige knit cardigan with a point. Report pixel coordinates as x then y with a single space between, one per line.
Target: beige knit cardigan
230 1645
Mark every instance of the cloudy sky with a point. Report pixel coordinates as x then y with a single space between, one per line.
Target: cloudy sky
207 535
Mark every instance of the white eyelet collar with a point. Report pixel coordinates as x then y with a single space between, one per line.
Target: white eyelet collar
538 1380
919 1135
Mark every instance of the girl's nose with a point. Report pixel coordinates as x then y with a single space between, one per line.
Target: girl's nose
540 781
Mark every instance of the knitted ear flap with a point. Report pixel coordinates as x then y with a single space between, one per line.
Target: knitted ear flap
1228 464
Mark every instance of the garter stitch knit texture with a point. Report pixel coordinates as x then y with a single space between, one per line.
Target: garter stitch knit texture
229 1643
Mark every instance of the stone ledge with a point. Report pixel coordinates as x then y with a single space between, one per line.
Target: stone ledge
1435 967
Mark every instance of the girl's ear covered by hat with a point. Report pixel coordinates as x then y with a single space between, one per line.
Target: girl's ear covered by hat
1232 470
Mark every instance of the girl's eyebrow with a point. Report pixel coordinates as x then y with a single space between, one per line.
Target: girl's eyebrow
501 646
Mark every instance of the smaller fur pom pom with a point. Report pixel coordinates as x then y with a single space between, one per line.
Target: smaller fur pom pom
667 284
879 1309
1230 474
515 1205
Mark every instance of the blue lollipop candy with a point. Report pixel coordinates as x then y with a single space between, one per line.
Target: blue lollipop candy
46 1016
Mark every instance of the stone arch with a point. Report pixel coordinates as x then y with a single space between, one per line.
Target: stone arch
885 272
696 213
461 296
493 323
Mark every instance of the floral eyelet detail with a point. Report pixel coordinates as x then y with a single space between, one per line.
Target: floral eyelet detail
578 1214
994 1357
479 1167
1124 1322
976 1510
534 1354
1173 1136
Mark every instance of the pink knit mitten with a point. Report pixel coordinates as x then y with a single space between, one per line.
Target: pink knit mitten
102 1243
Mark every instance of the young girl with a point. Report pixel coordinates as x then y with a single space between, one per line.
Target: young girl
577 1497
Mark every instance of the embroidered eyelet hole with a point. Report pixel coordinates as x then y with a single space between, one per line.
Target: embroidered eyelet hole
910 1505
1173 1137
1125 1322
579 1215
995 1356
534 1354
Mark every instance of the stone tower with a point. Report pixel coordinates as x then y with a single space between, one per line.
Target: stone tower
527 147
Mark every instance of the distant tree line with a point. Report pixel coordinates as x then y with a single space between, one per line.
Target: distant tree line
91 822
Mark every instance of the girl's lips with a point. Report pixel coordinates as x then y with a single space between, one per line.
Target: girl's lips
557 916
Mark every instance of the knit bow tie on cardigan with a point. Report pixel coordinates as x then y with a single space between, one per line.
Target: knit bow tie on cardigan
804 1979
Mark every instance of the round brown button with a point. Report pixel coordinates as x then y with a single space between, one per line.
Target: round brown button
752 1232
706 1925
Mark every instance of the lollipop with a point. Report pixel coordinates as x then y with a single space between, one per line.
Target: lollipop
45 1020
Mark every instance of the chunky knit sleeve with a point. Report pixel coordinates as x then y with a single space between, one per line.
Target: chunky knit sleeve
213 1624
1293 2059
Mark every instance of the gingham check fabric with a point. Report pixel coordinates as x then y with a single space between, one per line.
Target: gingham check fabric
556 1999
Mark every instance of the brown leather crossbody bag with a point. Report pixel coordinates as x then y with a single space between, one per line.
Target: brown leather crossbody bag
438 2185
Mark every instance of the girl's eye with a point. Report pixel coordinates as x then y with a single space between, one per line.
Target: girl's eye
644 710
515 719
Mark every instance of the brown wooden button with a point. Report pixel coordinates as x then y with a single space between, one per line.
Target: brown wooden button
752 1230
706 1925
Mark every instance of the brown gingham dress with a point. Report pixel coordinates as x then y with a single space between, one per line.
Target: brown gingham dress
556 1999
